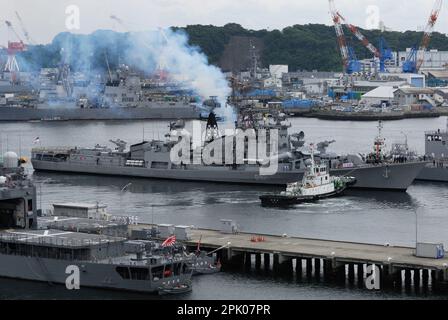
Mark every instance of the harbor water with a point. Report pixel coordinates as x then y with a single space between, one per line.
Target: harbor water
360 216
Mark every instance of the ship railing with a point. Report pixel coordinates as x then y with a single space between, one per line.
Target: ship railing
52 149
127 220
34 239
433 132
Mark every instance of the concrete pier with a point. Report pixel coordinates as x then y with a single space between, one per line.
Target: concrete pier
335 260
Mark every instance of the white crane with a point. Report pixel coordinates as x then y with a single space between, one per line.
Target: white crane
24 29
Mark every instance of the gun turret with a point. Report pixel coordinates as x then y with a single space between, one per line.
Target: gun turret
322 146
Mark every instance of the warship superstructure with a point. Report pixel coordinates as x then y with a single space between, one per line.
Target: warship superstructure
436 151
152 159
125 96
54 255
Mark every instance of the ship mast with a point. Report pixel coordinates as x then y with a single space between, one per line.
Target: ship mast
313 163
379 141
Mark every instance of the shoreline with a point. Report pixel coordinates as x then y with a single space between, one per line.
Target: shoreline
332 116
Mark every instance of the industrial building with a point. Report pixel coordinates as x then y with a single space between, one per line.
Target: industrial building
414 96
432 59
379 96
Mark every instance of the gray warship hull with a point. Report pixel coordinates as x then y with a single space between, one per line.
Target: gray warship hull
396 177
116 113
431 173
92 275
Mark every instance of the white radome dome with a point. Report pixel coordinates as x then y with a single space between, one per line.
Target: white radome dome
2 180
10 160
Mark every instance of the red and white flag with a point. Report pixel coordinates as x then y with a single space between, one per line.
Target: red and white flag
169 242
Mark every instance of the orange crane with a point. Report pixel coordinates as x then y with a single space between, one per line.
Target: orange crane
13 48
428 32
342 43
365 42
24 29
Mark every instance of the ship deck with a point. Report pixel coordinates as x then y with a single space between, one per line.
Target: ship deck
80 224
56 238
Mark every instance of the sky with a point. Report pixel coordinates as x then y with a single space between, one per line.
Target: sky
46 18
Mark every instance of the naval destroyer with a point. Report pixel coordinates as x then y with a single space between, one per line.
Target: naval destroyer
52 255
125 96
152 159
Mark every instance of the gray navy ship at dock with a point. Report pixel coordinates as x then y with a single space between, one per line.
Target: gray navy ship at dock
152 159
125 96
52 255
436 150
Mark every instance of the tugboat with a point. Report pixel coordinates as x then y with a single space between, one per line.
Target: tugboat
180 288
316 184
202 264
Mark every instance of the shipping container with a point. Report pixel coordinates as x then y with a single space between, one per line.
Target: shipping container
430 250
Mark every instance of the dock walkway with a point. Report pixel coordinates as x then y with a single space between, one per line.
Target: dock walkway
338 259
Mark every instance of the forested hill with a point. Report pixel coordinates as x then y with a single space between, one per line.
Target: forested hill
302 47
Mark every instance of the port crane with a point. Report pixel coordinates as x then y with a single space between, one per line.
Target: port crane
383 54
349 62
24 29
429 29
14 47
416 56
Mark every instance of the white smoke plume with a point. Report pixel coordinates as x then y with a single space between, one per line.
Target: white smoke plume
170 51
149 51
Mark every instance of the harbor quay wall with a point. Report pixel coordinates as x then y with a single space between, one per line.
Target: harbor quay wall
370 266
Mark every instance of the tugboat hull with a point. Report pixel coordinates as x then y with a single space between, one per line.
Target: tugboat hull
286 201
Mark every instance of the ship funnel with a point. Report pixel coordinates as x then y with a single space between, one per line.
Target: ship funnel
10 160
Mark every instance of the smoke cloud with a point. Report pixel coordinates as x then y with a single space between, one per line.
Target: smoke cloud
148 52
169 50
